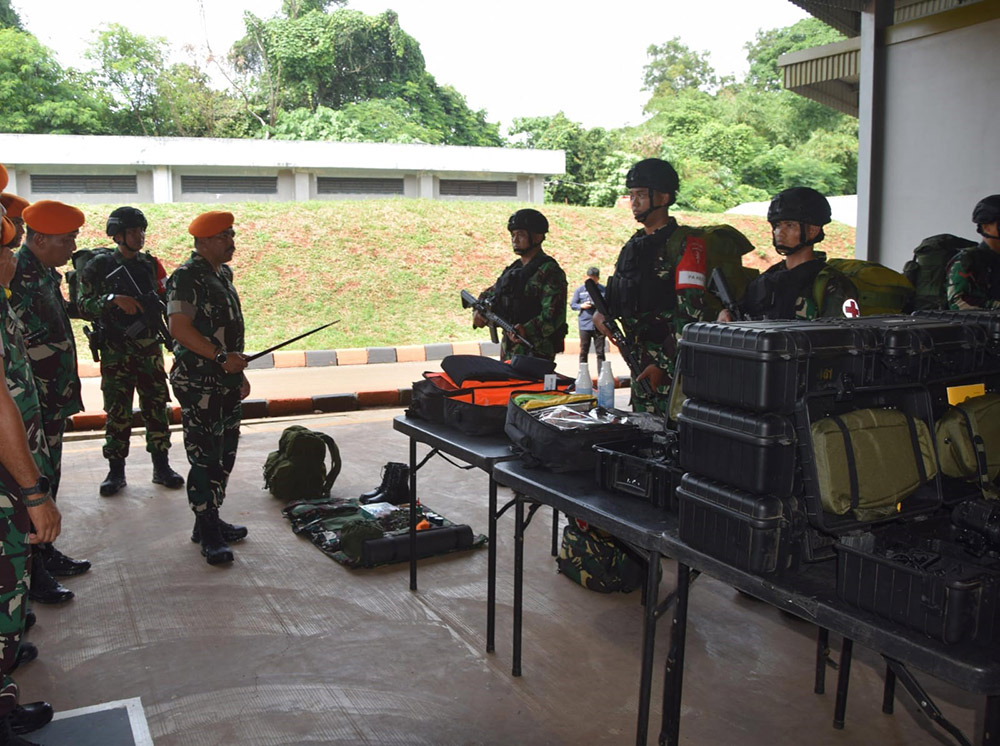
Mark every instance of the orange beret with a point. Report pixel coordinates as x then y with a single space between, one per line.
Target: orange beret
52 218
4 178
7 231
14 204
211 223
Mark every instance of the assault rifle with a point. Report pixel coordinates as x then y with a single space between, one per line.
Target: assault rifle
484 309
718 285
618 337
154 310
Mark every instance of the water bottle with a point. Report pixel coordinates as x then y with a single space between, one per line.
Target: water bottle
606 386
584 383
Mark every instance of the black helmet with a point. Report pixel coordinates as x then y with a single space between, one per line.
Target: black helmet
654 173
987 210
124 218
801 204
528 220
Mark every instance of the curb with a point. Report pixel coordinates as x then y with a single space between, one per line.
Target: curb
257 409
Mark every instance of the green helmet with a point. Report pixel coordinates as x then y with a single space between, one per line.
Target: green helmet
528 220
654 173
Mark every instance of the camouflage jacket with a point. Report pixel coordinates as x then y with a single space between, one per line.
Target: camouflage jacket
210 300
661 259
974 279
811 290
37 299
540 307
21 382
95 285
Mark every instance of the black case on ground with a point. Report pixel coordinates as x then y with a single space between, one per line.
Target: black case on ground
643 467
988 321
396 547
753 451
762 534
768 366
916 575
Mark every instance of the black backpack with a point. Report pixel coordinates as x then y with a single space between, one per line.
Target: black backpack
80 259
928 269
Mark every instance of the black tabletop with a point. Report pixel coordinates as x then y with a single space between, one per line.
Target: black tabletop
809 593
482 451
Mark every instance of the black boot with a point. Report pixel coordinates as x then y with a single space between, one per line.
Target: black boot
30 717
59 565
7 735
163 474
115 480
393 474
26 652
231 532
44 588
29 619
213 546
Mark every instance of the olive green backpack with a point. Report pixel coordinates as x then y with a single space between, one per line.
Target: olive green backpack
968 440
297 470
928 269
869 460
880 289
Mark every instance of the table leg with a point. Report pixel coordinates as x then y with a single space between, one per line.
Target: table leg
648 645
843 679
822 656
413 514
674 676
889 691
518 578
491 571
555 532
991 723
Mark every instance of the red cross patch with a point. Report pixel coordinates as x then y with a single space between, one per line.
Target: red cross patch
851 308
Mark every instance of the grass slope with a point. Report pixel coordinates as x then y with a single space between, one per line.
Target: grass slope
391 270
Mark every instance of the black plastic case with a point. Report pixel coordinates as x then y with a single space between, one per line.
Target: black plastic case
988 321
755 452
641 467
761 534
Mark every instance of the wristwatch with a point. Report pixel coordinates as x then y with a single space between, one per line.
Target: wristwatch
41 487
221 356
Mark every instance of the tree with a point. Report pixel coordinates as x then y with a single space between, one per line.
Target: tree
128 66
763 52
673 66
39 96
9 17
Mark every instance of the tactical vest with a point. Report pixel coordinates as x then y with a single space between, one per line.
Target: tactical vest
984 265
773 295
509 301
142 271
635 287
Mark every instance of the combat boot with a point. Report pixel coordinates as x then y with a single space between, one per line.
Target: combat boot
213 546
115 480
29 717
8 737
393 474
44 588
231 532
59 565
163 474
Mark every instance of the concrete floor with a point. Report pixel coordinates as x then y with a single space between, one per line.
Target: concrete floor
288 647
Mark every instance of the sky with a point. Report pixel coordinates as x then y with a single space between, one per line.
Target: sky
515 58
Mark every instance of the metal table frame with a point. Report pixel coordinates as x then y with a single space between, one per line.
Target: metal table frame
809 594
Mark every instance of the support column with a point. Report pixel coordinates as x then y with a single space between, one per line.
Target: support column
163 185
301 187
875 19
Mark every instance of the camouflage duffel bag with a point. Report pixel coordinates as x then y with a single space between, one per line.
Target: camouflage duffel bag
596 560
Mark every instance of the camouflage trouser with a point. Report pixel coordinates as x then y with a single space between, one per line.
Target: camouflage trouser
14 565
211 416
54 430
122 373
660 402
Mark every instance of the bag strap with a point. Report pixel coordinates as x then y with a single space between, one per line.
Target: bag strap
988 489
852 466
915 442
335 462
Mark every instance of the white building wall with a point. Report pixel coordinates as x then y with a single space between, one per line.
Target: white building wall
942 127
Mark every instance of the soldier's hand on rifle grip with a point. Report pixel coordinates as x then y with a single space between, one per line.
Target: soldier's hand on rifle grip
602 327
724 316
236 362
478 321
513 337
128 304
654 373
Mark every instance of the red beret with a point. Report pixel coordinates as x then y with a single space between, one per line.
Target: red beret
7 231
52 218
14 204
211 223
4 178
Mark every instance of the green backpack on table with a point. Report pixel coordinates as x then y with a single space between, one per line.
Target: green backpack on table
297 470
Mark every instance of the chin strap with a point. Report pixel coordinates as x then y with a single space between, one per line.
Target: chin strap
786 251
642 218
984 234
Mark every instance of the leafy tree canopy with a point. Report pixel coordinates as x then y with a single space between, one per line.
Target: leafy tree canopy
673 66
9 17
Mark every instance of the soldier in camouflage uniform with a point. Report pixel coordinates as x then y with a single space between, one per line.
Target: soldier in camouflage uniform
206 322
974 274
22 450
37 299
119 290
658 283
802 286
531 292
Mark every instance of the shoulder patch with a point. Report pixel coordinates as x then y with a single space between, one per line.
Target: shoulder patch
693 264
